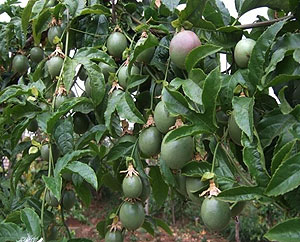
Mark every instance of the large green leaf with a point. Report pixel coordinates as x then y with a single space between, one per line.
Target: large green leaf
86 172
91 134
287 231
69 72
159 187
91 53
26 15
241 193
75 7
192 90
63 135
195 169
32 222
84 193
11 232
243 6
166 173
54 184
243 114
200 53
259 52
127 109
286 177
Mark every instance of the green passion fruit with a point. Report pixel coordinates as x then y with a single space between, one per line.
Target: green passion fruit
162 118
33 126
116 44
215 214
132 215
113 236
45 152
242 52
81 123
106 69
36 54
149 141
146 55
234 130
176 153
20 64
181 45
132 186
69 199
54 66
54 33
123 75
51 199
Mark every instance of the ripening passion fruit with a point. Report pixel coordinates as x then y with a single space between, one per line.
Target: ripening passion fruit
234 130
51 199
116 44
215 214
162 118
20 64
123 75
149 141
36 54
113 236
242 52
54 66
176 153
181 45
132 215
132 186
53 32
81 123
106 69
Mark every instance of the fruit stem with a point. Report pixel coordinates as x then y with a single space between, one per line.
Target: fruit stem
84 32
214 159
167 69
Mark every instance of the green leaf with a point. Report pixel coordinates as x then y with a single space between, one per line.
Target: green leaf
32 222
54 184
86 172
97 130
159 187
243 6
254 159
286 177
148 227
135 80
163 225
97 81
13 91
200 53
150 42
113 101
75 7
287 231
192 89
259 52
96 9
84 193
91 53
166 173
63 161
272 125
161 54
284 105
193 12
119 150
243 114
11 232
40 24
195 169
26 15
212 86
69 72
241 193
65 107
127 109
63 135
281 155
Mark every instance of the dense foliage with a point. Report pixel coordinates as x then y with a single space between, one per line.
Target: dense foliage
156 114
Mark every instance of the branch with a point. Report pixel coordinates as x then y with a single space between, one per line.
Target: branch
264 23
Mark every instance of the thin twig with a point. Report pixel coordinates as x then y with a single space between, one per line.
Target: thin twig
264 23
